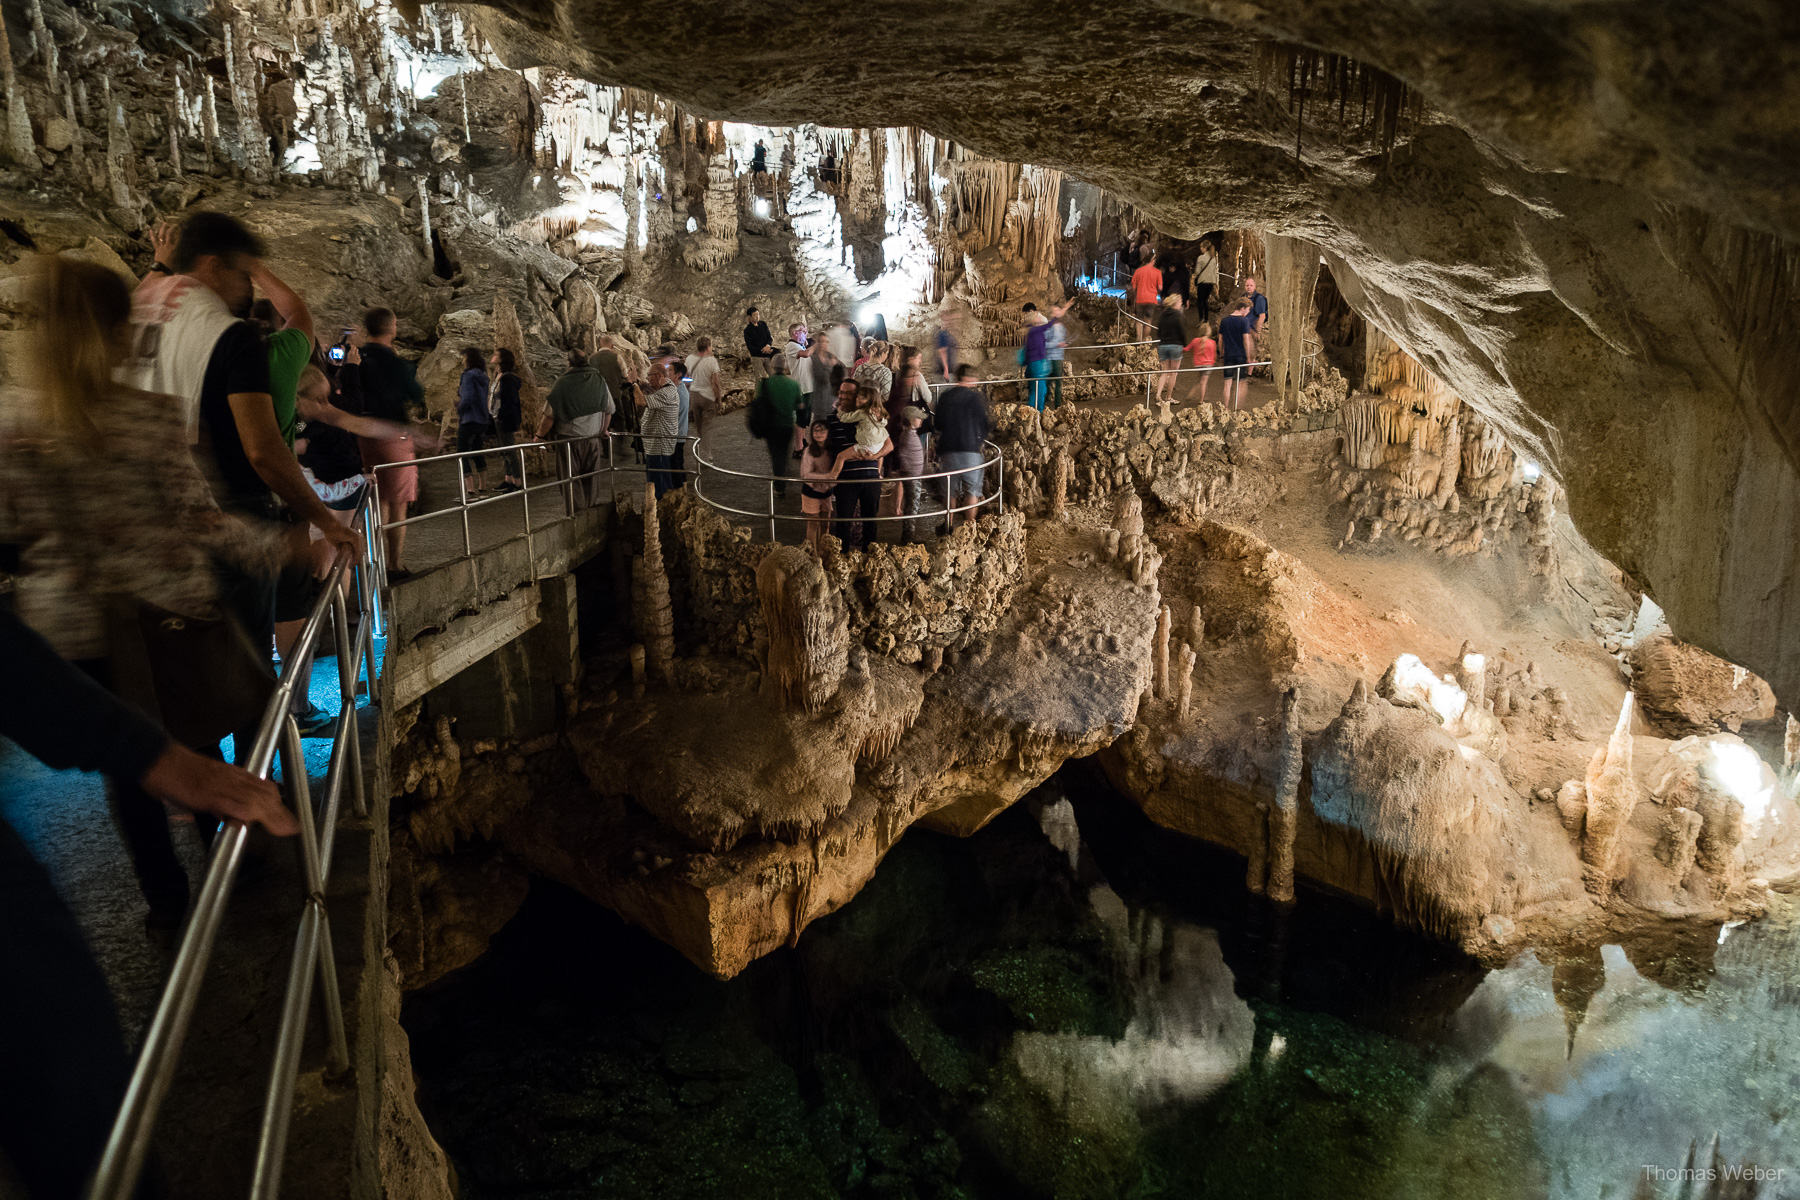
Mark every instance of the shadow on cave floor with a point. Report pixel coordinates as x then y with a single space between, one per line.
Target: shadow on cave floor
1074 1002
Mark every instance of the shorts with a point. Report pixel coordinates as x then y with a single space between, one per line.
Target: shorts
1236 371
815 506
399 486
295 592
1166 352
969 481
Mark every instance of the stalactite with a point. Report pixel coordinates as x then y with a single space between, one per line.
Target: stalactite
1284 817
46 45
81 100
78 141
423 183
19 146
211 118
1790 750
658 617
175 139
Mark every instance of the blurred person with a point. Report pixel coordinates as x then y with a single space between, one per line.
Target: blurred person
606 361
759 159
962 424
1056 344
1205 349
61 1053
126 556
1034 357
1206 278
778 400
1171 335
1176 275
858 491
389 387
944 345
908 462
674 371
1146 288
799 354
873 370
707 388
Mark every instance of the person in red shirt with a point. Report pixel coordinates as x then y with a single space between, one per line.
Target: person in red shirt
1146 289
1205 350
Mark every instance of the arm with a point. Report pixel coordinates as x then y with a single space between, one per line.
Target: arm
254 415
162 248
287 302
67 720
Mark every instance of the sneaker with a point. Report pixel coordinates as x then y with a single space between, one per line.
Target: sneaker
316 722
506 488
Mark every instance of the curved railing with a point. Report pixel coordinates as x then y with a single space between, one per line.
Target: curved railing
993 459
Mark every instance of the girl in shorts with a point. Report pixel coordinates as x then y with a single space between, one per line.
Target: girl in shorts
1205 349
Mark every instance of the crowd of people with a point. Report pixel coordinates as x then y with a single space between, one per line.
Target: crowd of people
1158 293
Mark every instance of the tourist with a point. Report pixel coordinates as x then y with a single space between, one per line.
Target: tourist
474 424
127 563
844 341
828 173
873 371
1205 350
390 388
759 159
827 373
61 1053
707 387
817 464
324 441
777 402
1175 275
1056 345
671 363
962 423
908 462
577 409
1259 307
1170 336
606 361
661 428
758 341
1236 348
1146 289
945 345
909 391
506 406
799 357
1035 358
851 426
1206 278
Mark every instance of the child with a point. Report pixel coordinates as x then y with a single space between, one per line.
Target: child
870 418
816 467
1205 350
908 461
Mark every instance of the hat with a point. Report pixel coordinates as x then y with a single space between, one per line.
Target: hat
913 412
1034 317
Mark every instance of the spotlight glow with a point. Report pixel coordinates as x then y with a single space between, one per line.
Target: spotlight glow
760 207
1532 472
869 313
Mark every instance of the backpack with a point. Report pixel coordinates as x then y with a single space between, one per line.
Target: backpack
760 416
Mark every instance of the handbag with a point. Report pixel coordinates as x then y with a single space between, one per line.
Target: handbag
760 416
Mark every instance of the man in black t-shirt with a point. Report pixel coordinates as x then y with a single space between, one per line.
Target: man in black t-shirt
759 342
859 480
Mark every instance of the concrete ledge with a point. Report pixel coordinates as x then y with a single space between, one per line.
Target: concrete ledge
428 660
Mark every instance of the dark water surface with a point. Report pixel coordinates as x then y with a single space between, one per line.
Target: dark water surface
1076 1003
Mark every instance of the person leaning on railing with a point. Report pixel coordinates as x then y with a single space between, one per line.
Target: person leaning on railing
661 423
62 1058
578 408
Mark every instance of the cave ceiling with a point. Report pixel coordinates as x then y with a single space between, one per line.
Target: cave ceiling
1587 232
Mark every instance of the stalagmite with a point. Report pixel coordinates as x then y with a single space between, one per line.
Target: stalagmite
1612 794
46 45
1112 543
1184 682
1197 628
808 628
637 668
1256 870
19 146
658 617
1471 675
210 120
1128 522
1285 815
1159 674
1681 832
1790 756
1059 483
423 182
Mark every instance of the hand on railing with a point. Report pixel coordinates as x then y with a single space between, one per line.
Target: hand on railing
204 785
342 538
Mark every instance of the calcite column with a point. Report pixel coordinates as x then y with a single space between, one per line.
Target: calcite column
1293 273
1284 816
808 630
657 617
46 45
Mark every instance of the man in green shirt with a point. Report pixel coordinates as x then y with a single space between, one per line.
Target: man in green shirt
578 407
778 396
288 325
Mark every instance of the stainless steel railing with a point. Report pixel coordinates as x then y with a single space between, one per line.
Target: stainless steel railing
993 459
129 1142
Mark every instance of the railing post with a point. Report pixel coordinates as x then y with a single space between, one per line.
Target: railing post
462 501
612 470
347 662
525 495
569 473
772 536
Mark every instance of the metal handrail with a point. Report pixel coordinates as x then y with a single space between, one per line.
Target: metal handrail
129 1142
999 494
1152 371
